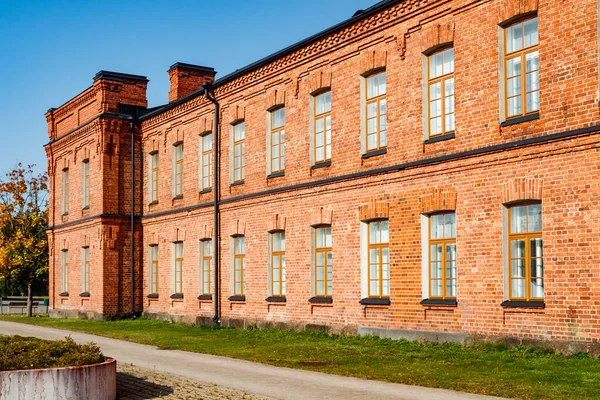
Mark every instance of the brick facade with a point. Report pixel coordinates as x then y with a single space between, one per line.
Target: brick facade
487 165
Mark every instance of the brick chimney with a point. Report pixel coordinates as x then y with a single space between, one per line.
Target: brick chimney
187 78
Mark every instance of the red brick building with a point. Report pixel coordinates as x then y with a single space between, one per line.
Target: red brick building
423 169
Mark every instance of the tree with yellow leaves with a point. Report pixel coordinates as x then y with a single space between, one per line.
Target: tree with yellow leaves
23 224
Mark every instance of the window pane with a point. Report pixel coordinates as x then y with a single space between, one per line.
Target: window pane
383 136
513 67
517 248
449 122
436 288
374 257
534 218
513 86
449 225
448 61
372 110
536 249
437 226
532 62
451 253
537 288
382 83
517 268
435 91
435 108
319 262
320 237
372 87
385 231
320 290
328 237
374 232
435 126
450 269
514 38
531 32
435 65
518 288
435 253
319 126
451 288
371 142
518 219
514 106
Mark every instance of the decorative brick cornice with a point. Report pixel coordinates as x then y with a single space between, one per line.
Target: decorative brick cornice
375 209
521 189
438 199
366 26
436 35
509 9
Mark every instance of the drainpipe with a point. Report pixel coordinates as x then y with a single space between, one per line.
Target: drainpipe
131 128
210 96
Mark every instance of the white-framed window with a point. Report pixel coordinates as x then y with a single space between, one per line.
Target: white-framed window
206 267
277 264
65 191
374 112
439 255
439 93
206 161
178 170
276 140
64 270
238 266
375 259
153 177
85 184
178 268
321 127
322 262
237 155
153 268
85 269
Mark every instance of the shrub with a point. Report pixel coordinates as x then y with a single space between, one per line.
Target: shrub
17 352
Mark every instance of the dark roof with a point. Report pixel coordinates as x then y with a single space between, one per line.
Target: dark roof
191 66
118 76
359 15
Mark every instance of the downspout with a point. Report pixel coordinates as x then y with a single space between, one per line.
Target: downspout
216 234
131 128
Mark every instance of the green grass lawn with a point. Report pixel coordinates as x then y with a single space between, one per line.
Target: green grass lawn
487 369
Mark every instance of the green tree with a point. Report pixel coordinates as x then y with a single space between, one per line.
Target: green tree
23 224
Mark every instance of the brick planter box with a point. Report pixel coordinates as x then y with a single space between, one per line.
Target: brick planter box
89 382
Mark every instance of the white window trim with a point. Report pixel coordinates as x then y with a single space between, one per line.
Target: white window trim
311 129
363 116
85 189
231 150
149 165
364 259
505 262
63 253
501 75
425 96
83 288
65 194
425 256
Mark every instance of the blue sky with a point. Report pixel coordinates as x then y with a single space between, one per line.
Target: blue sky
52 49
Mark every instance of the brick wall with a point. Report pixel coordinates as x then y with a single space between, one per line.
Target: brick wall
471 173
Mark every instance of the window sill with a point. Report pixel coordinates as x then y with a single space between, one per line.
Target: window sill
237 298
65 214
84 294
205 297
204 191
178 197
85 208
64 294
440 302
323 164
276 299
441 138
520 120
237 183
153 203
153 296
374 153
321 300
523 304
375 301
177 296
276 175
